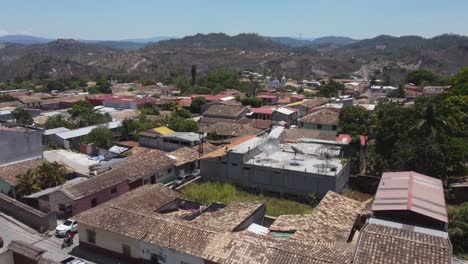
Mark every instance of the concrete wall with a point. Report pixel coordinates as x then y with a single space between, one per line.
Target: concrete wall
17 146
231 169
57 202
6 188
103 196
109 241
27 215
159 143
6 257
256 218
166 256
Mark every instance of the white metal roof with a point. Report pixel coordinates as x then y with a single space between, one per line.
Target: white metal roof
55 130
86 130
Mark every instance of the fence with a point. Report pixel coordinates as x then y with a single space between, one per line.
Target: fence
36 219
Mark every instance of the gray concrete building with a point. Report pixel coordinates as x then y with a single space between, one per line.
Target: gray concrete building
264 164
19 143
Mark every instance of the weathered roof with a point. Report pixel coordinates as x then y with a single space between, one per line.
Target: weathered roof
86 130
146 199
27 250
229 111
207 243
382 244
230 129
292 135
9 172
204 120
185 155
332 220
323 117
222 151
136 167
230 217
408 190
291 223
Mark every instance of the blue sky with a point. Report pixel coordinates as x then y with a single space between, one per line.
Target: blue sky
120 19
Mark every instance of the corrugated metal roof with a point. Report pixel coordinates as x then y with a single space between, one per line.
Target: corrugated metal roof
411 191
86 130
163 130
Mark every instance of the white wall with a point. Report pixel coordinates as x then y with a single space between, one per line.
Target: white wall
110 241
168 256
6 257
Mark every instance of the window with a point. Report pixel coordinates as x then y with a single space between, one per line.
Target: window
126 250
93 202
169 170
319 126
234 164
334 128
91 236
114 190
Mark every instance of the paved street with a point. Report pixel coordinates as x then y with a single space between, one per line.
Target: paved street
11 231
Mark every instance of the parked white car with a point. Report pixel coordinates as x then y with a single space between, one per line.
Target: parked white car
68 226
183 178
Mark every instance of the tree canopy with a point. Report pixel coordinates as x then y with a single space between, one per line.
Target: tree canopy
100 137
195 107
22 116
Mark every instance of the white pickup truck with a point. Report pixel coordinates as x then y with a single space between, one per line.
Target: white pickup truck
68 226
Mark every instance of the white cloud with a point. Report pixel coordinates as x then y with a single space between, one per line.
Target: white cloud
3 32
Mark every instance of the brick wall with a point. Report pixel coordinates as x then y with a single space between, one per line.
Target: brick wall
28 215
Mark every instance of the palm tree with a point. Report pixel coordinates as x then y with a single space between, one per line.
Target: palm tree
27 183
431 124
50 174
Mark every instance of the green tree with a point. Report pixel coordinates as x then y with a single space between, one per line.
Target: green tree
22 116
50 174
6 98
183 125
355 120
53 85
458 228
417 77
27 183
252 101
195 107
461 77
57 121
398 93
330 89
100 137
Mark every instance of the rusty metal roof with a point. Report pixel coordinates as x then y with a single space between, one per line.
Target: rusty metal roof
408 190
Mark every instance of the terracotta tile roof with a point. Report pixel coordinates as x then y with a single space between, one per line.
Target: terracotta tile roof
147 199
323 117
138 166
256 123
227 111
222 151
291 223
27 250
206 243
332 220
230 217
9 172
412 191
292 135
382 244
185 155
204 120
230 129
